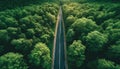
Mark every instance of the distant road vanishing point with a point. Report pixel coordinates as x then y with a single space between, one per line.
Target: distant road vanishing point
59 50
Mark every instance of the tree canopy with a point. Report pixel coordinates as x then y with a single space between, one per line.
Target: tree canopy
97 26
12 61
76 50
40 56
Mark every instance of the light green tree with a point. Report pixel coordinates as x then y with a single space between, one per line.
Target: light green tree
40 56
70 20
76 54
84 25
70 35
12 61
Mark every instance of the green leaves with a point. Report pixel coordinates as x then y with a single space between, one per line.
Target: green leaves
84 25
12 61
114 35
97 25
40 56
70 35
4 36
76 54
51 18
95 41
102 64
22 45
70 20
22 28
113 53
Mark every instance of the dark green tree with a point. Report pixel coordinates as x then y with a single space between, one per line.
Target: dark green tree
13 32
2 25
11 22
114 35
2 49
102 64
4 36
113 53
22 45
30 33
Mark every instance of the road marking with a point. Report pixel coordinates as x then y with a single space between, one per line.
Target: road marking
59 50
59 44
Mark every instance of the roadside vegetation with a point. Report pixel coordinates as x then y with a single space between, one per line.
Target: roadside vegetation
26 36
93 35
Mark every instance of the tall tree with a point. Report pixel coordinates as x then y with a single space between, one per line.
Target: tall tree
40 56
12 61
95 41
76 54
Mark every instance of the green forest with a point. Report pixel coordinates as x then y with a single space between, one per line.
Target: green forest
27 31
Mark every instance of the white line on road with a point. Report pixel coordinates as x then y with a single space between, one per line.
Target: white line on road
59 44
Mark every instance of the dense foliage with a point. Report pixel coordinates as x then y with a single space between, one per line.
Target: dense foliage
29 32
10 4
12 61
40 56
102 64
97 26
76 53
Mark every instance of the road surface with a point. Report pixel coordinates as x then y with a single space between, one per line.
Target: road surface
59 49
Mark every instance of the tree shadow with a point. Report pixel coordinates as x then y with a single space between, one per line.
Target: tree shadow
11 4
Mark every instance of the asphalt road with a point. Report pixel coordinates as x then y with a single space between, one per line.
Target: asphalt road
59 53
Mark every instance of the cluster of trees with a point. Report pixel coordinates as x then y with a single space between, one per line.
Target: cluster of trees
10 4
26 36
92 0
93 35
